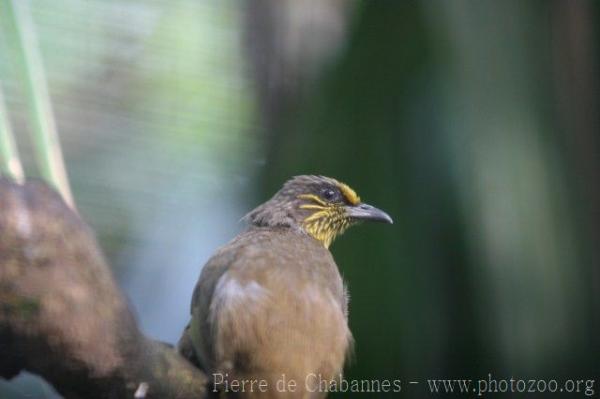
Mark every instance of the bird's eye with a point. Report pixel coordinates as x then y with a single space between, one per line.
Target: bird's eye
329 194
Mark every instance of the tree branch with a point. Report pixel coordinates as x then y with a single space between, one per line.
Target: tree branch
63 317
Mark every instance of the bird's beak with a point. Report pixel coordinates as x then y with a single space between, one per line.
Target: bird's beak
367 212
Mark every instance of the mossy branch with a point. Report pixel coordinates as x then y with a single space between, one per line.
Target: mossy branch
63 317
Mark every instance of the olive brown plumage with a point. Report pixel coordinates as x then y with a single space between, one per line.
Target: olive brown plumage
271 305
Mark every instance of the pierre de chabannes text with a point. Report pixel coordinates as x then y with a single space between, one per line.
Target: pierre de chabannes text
489 385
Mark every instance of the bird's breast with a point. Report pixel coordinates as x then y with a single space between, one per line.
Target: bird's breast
278 309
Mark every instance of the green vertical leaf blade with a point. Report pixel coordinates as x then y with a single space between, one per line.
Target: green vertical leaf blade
45 137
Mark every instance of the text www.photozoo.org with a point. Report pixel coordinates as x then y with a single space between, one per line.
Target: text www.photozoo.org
435 387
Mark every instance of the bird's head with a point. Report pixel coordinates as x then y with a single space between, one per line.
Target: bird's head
320 206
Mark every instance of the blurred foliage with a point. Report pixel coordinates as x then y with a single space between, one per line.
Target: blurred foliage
449 117
474 124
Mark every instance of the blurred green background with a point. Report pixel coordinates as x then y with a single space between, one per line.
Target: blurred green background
474 124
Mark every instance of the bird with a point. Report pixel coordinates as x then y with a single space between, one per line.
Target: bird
269 313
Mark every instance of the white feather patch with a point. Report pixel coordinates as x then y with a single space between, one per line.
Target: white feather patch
230 293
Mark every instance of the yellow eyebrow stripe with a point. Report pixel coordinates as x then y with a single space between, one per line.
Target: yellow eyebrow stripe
350 194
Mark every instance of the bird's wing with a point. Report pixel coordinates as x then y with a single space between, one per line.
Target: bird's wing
195 342
185 347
